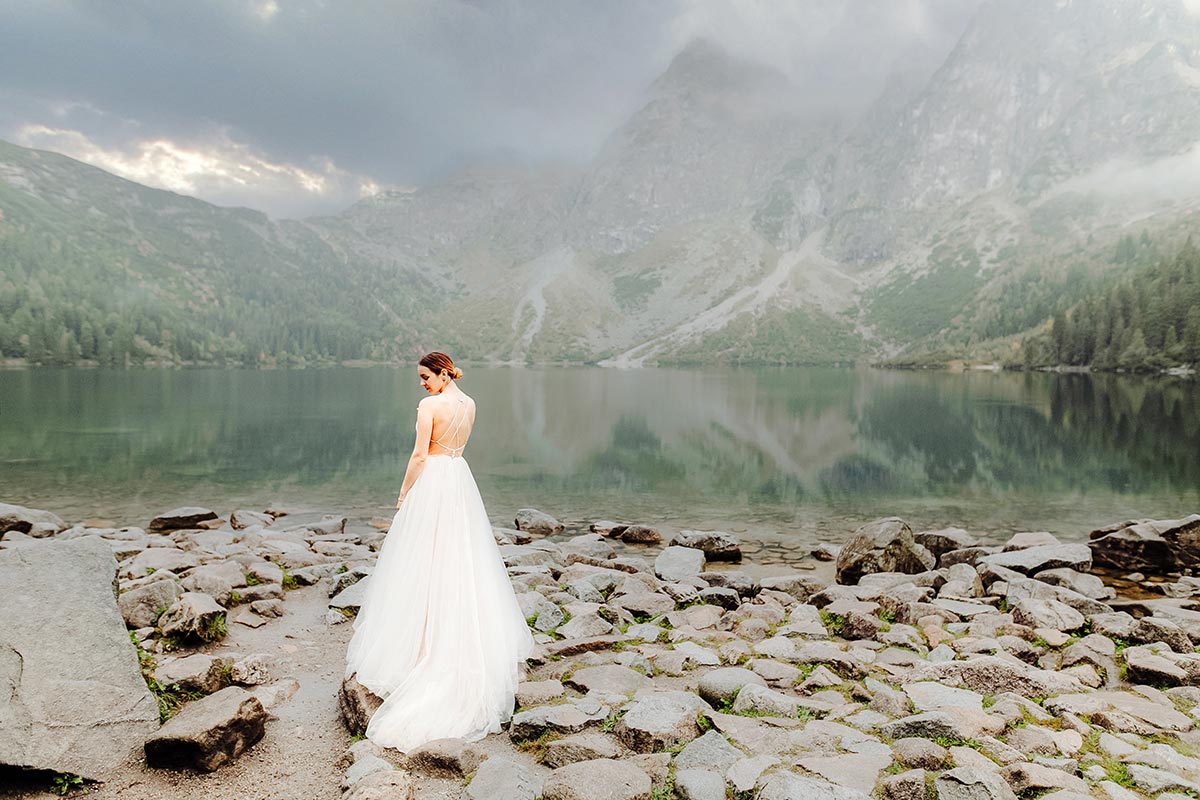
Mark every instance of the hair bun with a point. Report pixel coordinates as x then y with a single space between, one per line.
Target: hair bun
456 373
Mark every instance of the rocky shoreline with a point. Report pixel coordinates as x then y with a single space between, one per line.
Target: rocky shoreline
905 665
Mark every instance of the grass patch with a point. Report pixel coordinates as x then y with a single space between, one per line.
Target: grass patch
252 580
888 616
63 782
948 742
667 790
703 722
289 581
215 629
1118 772
833 622
537 746
610 722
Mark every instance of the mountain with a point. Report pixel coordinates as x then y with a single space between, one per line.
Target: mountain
726 220
96 267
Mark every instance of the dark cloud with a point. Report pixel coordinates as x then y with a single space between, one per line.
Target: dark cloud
401 92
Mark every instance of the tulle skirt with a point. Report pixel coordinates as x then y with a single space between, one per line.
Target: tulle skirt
439 636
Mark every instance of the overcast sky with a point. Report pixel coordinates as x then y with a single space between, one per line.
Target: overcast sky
300 107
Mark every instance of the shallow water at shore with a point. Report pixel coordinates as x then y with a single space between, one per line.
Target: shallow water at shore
783 457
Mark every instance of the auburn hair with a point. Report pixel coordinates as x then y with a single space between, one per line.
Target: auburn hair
438 361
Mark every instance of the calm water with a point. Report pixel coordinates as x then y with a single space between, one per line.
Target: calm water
782 455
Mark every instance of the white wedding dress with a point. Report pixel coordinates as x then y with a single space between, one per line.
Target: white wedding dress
440 636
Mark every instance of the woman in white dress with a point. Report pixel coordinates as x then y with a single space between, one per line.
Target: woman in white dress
440 636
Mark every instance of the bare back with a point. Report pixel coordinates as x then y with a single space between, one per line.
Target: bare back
453 421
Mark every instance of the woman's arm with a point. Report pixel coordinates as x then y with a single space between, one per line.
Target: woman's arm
416 462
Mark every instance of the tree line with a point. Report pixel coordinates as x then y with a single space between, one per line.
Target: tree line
1146 321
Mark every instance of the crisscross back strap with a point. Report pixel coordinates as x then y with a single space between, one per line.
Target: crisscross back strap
458 421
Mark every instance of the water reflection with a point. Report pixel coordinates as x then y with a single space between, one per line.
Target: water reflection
788 452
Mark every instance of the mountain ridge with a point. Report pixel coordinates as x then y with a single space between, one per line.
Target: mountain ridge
722 222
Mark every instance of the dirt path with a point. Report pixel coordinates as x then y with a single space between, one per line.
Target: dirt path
297 758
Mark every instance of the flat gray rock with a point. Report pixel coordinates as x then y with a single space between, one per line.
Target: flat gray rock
599 779
660 721
585 746
711 751
699 784
965 783
608 679
786 785
1043 557
720 686
352 596
74 697
679 563
501 779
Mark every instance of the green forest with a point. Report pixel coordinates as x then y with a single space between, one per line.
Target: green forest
1147 320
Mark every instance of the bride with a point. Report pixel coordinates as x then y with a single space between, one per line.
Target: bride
439 636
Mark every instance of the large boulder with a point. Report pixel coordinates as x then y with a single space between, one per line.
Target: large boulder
74 697
210 732
1151 545
885 545
32 521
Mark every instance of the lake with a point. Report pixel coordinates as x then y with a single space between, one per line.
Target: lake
783 456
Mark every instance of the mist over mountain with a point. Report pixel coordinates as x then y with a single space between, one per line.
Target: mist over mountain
728 219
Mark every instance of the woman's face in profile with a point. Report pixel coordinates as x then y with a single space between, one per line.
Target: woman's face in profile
429 381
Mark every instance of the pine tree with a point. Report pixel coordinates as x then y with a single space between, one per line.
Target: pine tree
1191 337
1135 353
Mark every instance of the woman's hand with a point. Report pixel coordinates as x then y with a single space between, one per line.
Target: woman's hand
399 502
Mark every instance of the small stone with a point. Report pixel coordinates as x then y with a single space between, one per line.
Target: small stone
537 522
640 534
253 670
716 545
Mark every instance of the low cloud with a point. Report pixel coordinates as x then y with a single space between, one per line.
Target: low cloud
220 170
